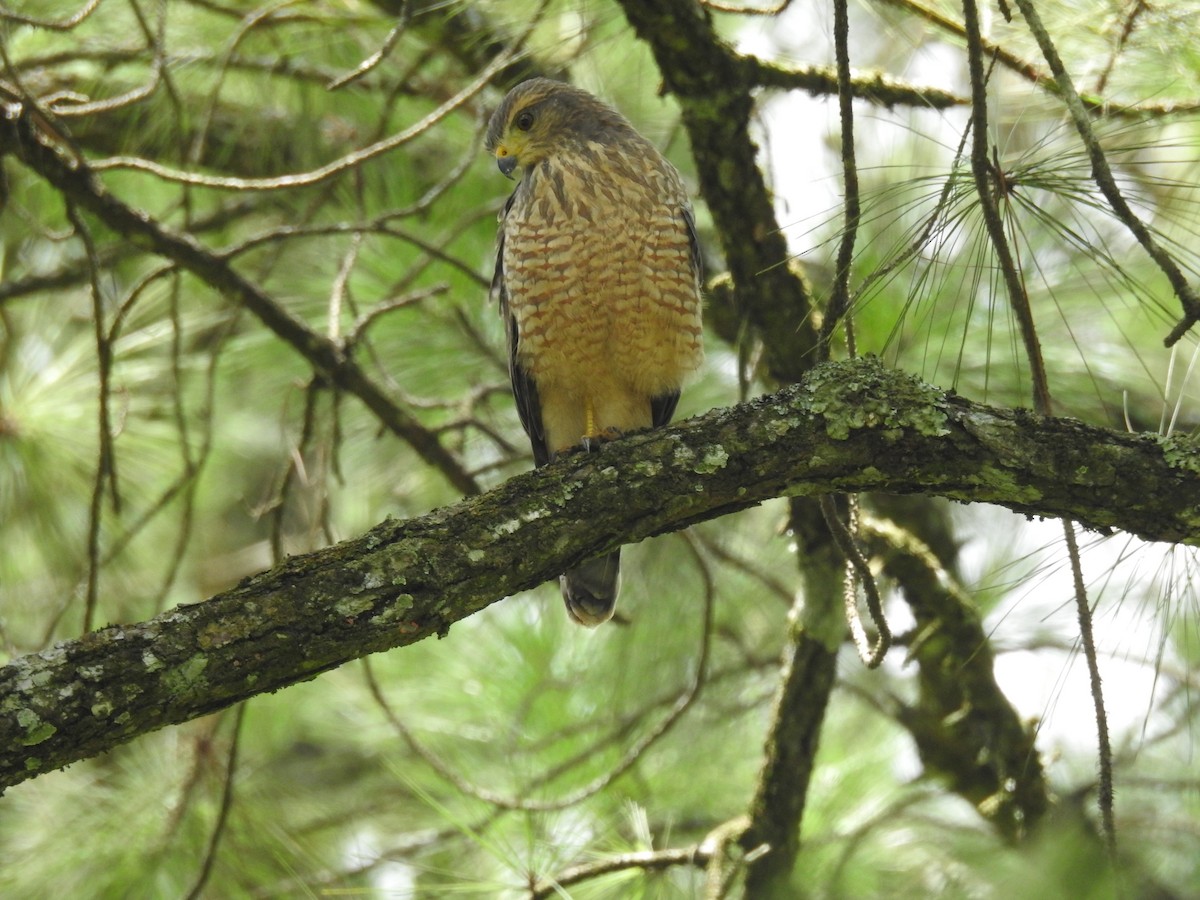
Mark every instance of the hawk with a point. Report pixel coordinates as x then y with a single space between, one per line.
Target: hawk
598 280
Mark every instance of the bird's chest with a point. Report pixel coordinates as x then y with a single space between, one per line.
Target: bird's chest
571 224
577 260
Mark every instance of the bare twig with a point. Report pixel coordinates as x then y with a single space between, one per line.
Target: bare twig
67 24
839 302
106 464
70 106
379 55
1135 10
646 860
295 469
1104 797
743 10
214 839
338 166
341 285
879 88
359 329
871 656
1039 77
983 171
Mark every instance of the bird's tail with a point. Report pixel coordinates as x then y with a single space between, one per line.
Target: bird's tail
590 589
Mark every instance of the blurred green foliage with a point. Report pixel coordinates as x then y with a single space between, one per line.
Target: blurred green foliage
228 451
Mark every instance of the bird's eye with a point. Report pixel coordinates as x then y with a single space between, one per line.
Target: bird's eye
525 121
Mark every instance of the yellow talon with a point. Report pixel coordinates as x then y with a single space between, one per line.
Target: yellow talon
589 419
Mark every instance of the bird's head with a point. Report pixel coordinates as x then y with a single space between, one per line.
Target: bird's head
539 118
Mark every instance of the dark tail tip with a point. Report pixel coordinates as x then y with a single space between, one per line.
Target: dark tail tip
590 589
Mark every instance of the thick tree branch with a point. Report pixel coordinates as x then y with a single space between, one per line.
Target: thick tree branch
965 729
848 427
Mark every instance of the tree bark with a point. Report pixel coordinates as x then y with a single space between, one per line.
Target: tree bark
848 427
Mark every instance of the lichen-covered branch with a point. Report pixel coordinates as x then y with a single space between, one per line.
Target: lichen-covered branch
965 729
848 427
876 87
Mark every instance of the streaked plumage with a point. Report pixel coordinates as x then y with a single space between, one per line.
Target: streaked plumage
598 279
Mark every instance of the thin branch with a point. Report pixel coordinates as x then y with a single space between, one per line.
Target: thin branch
338 166
1022 67
1030 72
983 171
214 839
106 464
1104 798
772 584
646 860
839 301
875 87
1019 300
1135 10
69 23
743 10
293 471
871 656
359 329
340 288
379 55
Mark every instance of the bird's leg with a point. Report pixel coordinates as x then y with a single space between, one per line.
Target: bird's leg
589 421
592 434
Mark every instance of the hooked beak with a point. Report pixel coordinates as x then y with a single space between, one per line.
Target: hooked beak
506 165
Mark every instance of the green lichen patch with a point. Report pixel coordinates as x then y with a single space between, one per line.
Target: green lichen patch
188 678
866 394
647 468
713 459
395 611
351 607
35 727
1181 453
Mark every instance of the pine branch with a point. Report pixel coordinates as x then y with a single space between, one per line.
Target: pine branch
24 135
848 427
879 88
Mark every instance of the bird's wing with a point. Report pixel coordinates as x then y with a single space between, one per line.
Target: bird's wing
662 407
524 390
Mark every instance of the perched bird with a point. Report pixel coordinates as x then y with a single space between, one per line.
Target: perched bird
598 281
